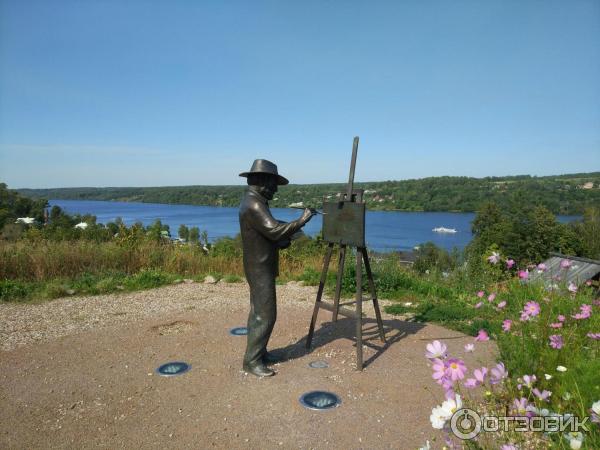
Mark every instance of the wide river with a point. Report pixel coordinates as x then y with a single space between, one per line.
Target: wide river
385 230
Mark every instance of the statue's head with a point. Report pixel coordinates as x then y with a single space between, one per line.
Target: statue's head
265 184
264 177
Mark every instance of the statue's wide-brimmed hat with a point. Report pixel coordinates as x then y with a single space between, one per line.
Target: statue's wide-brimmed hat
265 166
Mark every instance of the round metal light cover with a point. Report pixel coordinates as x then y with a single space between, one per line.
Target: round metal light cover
174 368
318 364
238 331
320 400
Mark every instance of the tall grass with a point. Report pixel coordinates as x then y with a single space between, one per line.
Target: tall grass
48 269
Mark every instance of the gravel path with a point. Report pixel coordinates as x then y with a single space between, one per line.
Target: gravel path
78 372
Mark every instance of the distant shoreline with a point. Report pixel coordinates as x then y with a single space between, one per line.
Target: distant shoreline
562 194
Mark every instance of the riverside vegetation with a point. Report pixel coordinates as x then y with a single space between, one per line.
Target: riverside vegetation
548 340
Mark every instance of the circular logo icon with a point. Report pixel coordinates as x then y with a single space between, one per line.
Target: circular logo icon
465 424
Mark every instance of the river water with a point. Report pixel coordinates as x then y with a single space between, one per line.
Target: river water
385 230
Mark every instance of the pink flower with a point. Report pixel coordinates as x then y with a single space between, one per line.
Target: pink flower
572 287
469 348
561 318
596 302
588 283
565 264
544 395
449 394
491 297
478 305
480 374
523 274
556 325
447 383
541 267
479 379
528 381
595 336
556 341
439 370
480 294
436 350
510 263
498 373
494 258
520 406
532 308
506 325
502 304
586 312
455 369
482 336
509 447
470 383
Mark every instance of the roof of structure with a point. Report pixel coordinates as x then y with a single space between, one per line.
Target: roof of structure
578 270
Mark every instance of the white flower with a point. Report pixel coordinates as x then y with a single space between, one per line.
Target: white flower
548 376
596 407
436 349
469 348
575 439
561 368
426 446
440 414
494 258
438 418
450 406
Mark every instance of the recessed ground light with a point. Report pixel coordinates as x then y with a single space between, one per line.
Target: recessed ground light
320 400
318 364
171 369
238 331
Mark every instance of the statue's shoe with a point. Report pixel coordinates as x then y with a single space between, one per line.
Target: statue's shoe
259 370
270 358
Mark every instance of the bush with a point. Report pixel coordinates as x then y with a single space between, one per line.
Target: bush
14 290
430 257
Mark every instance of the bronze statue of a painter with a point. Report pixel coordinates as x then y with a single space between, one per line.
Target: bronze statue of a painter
262 237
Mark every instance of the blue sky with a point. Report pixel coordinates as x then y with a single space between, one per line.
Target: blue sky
150 93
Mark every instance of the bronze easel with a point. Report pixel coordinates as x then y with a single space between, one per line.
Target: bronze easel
349 234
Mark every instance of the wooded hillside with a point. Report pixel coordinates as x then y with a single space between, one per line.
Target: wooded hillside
561 194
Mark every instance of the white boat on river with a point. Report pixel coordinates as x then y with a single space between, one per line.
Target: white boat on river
444 230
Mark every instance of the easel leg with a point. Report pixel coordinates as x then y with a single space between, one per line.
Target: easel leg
338 285
359 353
319 295
373 294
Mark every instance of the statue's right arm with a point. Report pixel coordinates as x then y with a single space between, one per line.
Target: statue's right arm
265 223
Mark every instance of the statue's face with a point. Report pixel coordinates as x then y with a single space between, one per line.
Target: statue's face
266 185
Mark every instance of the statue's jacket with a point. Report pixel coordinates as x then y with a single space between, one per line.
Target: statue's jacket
262 235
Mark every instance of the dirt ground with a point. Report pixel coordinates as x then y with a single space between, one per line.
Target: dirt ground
80 373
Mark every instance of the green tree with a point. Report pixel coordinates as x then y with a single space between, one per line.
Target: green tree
589 232
183 232
521 231
194 235
431 257
13 206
